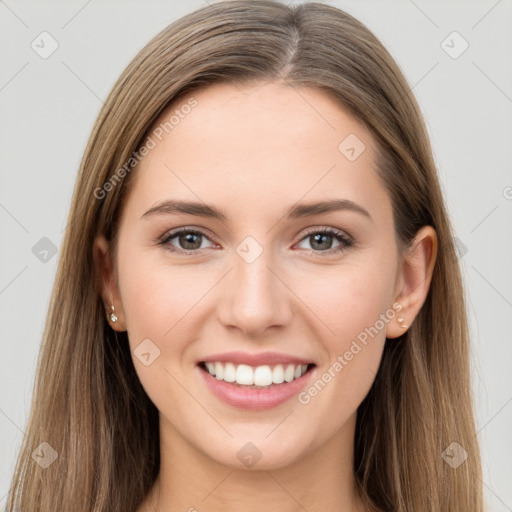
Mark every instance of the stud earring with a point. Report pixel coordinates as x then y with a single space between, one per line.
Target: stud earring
401 322
112 316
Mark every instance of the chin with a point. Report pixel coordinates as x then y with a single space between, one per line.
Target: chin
260 454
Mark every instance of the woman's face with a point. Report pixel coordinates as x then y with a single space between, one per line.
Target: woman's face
258 277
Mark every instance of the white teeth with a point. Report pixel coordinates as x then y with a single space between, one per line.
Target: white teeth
244 375
289 373
219 371
261 376
229 372
278 374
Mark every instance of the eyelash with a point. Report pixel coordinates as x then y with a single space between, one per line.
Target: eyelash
344 240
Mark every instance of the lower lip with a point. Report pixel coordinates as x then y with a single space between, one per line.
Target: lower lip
255 399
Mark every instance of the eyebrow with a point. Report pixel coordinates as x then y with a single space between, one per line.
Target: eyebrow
294 212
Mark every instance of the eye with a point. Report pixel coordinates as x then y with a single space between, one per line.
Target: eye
188 240
321 241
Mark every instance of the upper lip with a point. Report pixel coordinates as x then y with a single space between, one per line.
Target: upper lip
260 359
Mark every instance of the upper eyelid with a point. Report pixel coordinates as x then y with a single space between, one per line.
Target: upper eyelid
334 231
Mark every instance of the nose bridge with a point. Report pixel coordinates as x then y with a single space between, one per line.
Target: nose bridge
255 298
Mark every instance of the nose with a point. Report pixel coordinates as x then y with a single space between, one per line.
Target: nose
254 298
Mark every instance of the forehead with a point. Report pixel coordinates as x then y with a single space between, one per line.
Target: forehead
258 147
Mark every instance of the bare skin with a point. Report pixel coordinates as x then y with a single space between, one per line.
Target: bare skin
253 153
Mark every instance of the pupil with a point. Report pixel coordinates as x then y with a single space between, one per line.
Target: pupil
190 239
323 245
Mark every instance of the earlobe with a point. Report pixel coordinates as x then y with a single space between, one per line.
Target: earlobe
416 275
107 284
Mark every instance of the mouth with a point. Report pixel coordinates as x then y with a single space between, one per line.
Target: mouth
255 388
255 377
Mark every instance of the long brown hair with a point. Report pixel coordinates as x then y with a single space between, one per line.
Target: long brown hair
88 403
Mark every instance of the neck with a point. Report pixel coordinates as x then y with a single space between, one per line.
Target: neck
191 481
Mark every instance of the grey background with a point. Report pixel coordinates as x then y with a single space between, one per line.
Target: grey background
49 106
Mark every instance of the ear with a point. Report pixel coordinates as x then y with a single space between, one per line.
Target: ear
108 286
414 280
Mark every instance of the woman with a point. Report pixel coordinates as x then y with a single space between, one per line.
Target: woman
258 303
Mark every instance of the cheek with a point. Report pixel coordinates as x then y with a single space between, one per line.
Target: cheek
348 300
353 309
156 295
158 303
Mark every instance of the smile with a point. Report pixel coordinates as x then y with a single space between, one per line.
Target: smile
260 377
255 386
